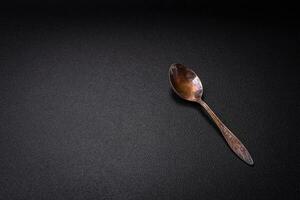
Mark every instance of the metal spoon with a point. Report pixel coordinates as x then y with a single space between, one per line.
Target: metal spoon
188 86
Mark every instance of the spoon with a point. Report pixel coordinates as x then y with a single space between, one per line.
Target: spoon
188 86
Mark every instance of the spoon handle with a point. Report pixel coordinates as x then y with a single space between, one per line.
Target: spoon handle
234 143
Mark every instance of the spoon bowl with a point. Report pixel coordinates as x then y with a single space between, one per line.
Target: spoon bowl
185 82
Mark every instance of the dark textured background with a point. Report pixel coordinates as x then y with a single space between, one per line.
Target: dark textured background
86 111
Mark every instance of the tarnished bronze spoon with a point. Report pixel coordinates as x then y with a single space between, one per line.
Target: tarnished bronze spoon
188 86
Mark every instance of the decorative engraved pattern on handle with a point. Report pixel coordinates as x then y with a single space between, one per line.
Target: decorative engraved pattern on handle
234 143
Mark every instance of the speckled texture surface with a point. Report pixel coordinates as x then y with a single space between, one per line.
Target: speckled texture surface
86 110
